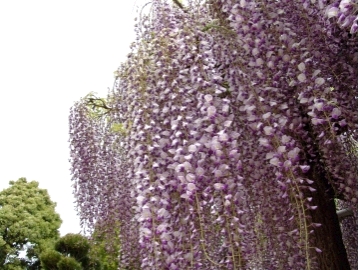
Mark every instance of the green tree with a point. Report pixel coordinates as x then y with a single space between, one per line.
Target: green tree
28 223
74 245
71 251
69 263
50 258
105 245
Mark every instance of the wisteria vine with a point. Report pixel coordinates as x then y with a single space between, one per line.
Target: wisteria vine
230 131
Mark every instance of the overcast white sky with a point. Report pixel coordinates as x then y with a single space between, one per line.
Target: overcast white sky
52 53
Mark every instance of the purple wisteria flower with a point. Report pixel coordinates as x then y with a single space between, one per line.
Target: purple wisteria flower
229 134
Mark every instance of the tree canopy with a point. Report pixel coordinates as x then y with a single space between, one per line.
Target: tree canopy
237 132
28 222
105 244
71 252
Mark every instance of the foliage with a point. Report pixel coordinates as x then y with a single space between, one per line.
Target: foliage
241 119
68 263
49 259
98 106
28 221
105 246
74 246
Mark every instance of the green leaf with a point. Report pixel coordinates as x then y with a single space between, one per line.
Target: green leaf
27 216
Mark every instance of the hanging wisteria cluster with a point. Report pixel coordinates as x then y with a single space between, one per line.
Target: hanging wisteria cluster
345 12
230 131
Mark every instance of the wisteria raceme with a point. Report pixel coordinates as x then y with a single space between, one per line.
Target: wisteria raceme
345 12
230 132
97 169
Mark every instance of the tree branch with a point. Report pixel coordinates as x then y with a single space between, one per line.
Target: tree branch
343 213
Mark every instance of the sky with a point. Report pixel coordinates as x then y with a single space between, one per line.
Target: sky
52 53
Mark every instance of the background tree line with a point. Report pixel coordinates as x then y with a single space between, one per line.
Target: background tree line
29 235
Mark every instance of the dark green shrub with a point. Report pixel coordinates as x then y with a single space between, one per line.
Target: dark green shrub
74 245
68 263
49 259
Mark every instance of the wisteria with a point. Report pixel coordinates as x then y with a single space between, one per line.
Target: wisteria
229 134
345 13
